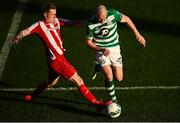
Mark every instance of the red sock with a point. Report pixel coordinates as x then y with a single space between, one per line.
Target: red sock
87 94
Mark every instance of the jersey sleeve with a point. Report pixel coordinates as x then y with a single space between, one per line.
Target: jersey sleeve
34 28
118 15
66 22
89 33
63 21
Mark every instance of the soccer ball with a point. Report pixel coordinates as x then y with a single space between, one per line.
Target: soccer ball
114 110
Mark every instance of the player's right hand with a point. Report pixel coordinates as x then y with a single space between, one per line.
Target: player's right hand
105 51
17 39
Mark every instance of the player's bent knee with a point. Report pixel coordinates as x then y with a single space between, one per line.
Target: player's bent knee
109 78
119 78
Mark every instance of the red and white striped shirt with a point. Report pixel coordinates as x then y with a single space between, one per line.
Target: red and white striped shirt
50 34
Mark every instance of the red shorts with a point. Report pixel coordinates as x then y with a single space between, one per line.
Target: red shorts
63 67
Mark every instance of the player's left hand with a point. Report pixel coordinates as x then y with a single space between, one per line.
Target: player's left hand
141 40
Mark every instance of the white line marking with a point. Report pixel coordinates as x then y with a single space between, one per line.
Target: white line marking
11 34
96 88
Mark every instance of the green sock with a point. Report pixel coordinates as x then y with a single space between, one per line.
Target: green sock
111 90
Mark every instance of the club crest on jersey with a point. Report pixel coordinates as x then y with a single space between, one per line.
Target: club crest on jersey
104 31
109 22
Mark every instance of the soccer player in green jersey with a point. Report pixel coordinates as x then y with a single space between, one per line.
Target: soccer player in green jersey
102 36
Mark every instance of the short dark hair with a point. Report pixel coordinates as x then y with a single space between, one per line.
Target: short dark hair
48 6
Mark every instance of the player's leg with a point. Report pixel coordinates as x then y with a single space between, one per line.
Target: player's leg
77 80
116 65
66 70
107 70
87 94
118 73
97 69
53 79
43 86
109 82
54 82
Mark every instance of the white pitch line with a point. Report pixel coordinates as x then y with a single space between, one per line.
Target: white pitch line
96 88
11 34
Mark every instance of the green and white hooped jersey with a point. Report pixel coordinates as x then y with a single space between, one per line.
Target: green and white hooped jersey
105 34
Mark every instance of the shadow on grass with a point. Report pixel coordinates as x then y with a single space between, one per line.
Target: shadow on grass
57 103
5 84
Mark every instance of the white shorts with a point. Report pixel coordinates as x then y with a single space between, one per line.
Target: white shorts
114 59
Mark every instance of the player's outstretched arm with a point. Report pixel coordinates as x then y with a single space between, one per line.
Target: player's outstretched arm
20 35
139 37
67 22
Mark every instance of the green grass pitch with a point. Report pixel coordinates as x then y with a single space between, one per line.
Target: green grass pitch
156 65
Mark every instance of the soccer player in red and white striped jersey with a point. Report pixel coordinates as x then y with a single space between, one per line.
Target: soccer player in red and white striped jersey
49 31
